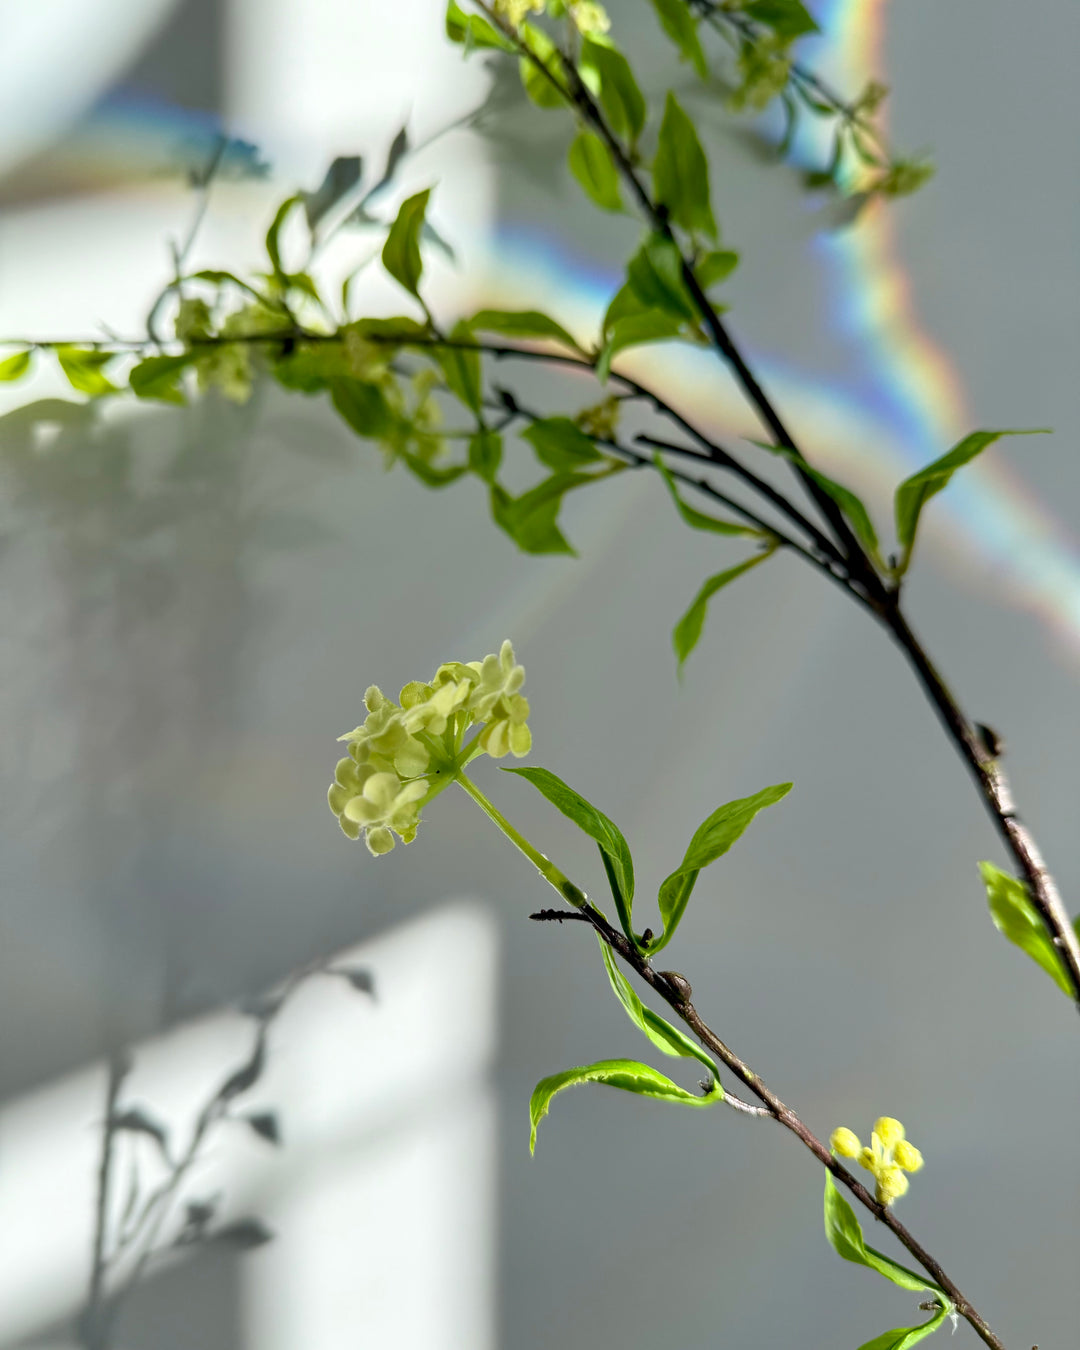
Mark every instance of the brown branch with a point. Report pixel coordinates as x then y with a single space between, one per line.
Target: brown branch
675 991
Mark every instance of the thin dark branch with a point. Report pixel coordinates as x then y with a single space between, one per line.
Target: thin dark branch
675 992
92 1328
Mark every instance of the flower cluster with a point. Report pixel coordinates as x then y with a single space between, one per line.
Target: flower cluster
888 1157
404 753
590 17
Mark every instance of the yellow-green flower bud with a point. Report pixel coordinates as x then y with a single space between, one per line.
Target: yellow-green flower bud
589 17
867 1159
907 1156
889 1131
514 11
845 1142
891 1184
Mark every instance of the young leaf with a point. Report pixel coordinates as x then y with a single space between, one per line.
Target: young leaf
620 97
903 1338
560 443
266 1125
914 492
485 455
697 519
341 177
788 19
681 172
14 367
624 303
1019 921
590 163
687 631
530 520
711 840
715 267
614 849
461 368
83 368
843 1231
681 27
473 31
136 1121
655 274
663 1035
244 1235
522 323
432 475
273 234
543 91
626 1074
401 252
857 515
650 325
159 377
362 405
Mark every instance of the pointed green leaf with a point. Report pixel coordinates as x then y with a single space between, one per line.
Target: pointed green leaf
401 252
543 92
14 367
432 475
461 368
853 508
530 520
711 840
843 1231
485 454
560 443
1017 918
626 1074
521 323
624 303
655 273
159 377
273 234
340 178
715 267
620 97
613 847
362 405
84 370
636 330
590 163
473 31
681 172
663 1035
681 27
698 520
789 19
687 631
903 1338
913 494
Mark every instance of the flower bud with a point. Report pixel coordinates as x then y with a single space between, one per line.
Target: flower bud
845 1142
891 1184
889 1131
907 1156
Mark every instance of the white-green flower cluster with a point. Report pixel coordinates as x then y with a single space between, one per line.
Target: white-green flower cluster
404 753
887 1158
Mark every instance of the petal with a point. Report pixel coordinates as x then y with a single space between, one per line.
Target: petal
347 774
411 792
520 739
498 739
338 797
381 789
363 812
411 760
349 827
379 840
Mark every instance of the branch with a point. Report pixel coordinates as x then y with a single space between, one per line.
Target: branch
676 993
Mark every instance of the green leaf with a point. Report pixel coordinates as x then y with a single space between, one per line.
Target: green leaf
663 1035
590 163
624 303
687 631
521 323
461 368
788 19
1017 918
655 274
843 1231
399 329
626 1074
853 508
614 849
636 330
560 443
715 267
538 87
401 252
14 367
485 454
620 97
697 519
681 27
158 377
273 242
681 172
711 840
913 494
83 368
433 475
362 405
530 520
903 1338
341 177
473 31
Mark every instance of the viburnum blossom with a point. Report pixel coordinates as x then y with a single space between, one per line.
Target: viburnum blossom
404 753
